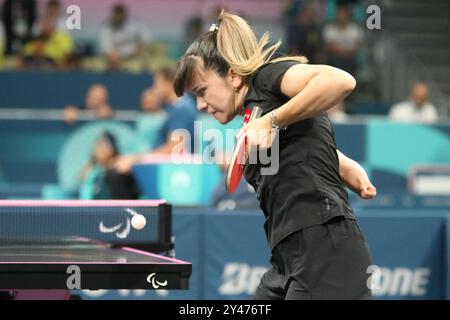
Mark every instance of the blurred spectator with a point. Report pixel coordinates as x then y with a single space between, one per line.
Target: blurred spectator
18 18
2 43
181 115
342 40
35 55
149 122
150 101
96 103
97 98
291 10
304 35
337 113
193 29
99 180
181 112
52 45
51 49
51 15
417 108
121 38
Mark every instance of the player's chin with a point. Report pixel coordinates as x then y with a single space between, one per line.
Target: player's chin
222 117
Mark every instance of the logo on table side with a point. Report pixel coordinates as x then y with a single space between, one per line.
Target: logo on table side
121 233
155 283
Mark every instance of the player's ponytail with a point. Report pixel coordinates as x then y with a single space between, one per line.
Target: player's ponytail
238 45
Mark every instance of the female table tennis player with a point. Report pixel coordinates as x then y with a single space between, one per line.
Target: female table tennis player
318 250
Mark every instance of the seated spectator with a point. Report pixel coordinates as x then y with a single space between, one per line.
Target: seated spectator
417 108
96 103
343 40
121 38
150 101
51 48
181 115
2 43
193 28
99 180
52 15
51 45
304 35
18 18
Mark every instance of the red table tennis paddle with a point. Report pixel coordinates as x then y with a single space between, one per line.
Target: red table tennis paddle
239 158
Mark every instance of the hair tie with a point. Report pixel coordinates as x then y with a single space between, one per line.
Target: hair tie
213 27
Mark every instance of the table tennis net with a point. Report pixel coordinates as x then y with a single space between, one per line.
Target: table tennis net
112 224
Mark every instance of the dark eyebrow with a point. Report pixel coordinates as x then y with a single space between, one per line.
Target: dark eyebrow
196 88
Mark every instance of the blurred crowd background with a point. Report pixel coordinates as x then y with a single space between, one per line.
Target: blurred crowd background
90 113
141 36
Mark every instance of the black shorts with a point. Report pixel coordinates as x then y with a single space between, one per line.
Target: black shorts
327 261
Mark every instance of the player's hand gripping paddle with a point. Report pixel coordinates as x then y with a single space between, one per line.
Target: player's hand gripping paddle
239 158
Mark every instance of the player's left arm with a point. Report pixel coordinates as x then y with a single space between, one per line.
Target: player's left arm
355 177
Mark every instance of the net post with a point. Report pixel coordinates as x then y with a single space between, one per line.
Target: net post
165 223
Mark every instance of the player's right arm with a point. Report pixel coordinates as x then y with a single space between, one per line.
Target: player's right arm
355 177
312 89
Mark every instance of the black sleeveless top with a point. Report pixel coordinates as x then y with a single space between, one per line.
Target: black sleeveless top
307 189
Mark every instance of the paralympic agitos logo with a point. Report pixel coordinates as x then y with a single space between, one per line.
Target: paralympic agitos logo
155 283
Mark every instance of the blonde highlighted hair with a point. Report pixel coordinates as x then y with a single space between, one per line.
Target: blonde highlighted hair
239 46
232 44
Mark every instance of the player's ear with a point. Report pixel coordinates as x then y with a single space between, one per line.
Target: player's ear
236 80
